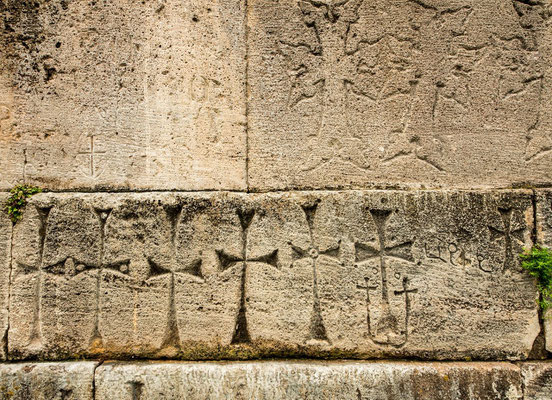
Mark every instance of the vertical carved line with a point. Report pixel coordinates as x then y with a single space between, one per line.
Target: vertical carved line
36 330
136 389
380 219
96 339
25 162
408 303
5 337
172 336
317 329
241 332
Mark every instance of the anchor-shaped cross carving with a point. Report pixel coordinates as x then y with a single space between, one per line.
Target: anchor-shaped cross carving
387 316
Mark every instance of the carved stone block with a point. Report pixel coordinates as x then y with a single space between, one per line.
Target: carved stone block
357 92
45 381
5 265
123 94
208 275
309 380
544 237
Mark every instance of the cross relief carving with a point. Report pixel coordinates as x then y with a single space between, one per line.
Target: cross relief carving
385 262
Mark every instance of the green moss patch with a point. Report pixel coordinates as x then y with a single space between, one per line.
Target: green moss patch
15 205
538 262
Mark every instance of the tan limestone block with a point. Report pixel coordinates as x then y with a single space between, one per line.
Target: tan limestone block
123 94
47 381
359 93
429 274
395 273
309 380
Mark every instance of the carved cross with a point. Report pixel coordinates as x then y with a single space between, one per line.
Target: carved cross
172 334
91 153
509 235
388 329
317 330
336 68
227 261
35 339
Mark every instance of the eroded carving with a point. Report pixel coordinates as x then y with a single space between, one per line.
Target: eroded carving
455 253
326 68
91 170
510 234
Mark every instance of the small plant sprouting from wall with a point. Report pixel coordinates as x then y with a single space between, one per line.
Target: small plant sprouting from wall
538 261
18 200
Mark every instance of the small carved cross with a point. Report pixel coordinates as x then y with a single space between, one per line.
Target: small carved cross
508 234
91 153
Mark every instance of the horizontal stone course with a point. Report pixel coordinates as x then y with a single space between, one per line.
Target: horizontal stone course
426 274
275 95
290 379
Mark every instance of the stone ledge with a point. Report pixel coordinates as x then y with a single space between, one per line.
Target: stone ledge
290 379
356 274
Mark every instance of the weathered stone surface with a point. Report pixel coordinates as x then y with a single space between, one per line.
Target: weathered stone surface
47 381
544 237
5 265
544 217
304 380
537 380
427 274
358 92
123 94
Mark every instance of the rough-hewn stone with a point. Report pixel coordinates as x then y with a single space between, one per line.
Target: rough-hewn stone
537 380
351 93
123 94
5 265
428 274
47 381
544 237
309 380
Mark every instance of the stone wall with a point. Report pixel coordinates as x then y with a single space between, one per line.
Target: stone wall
260 179
265 95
